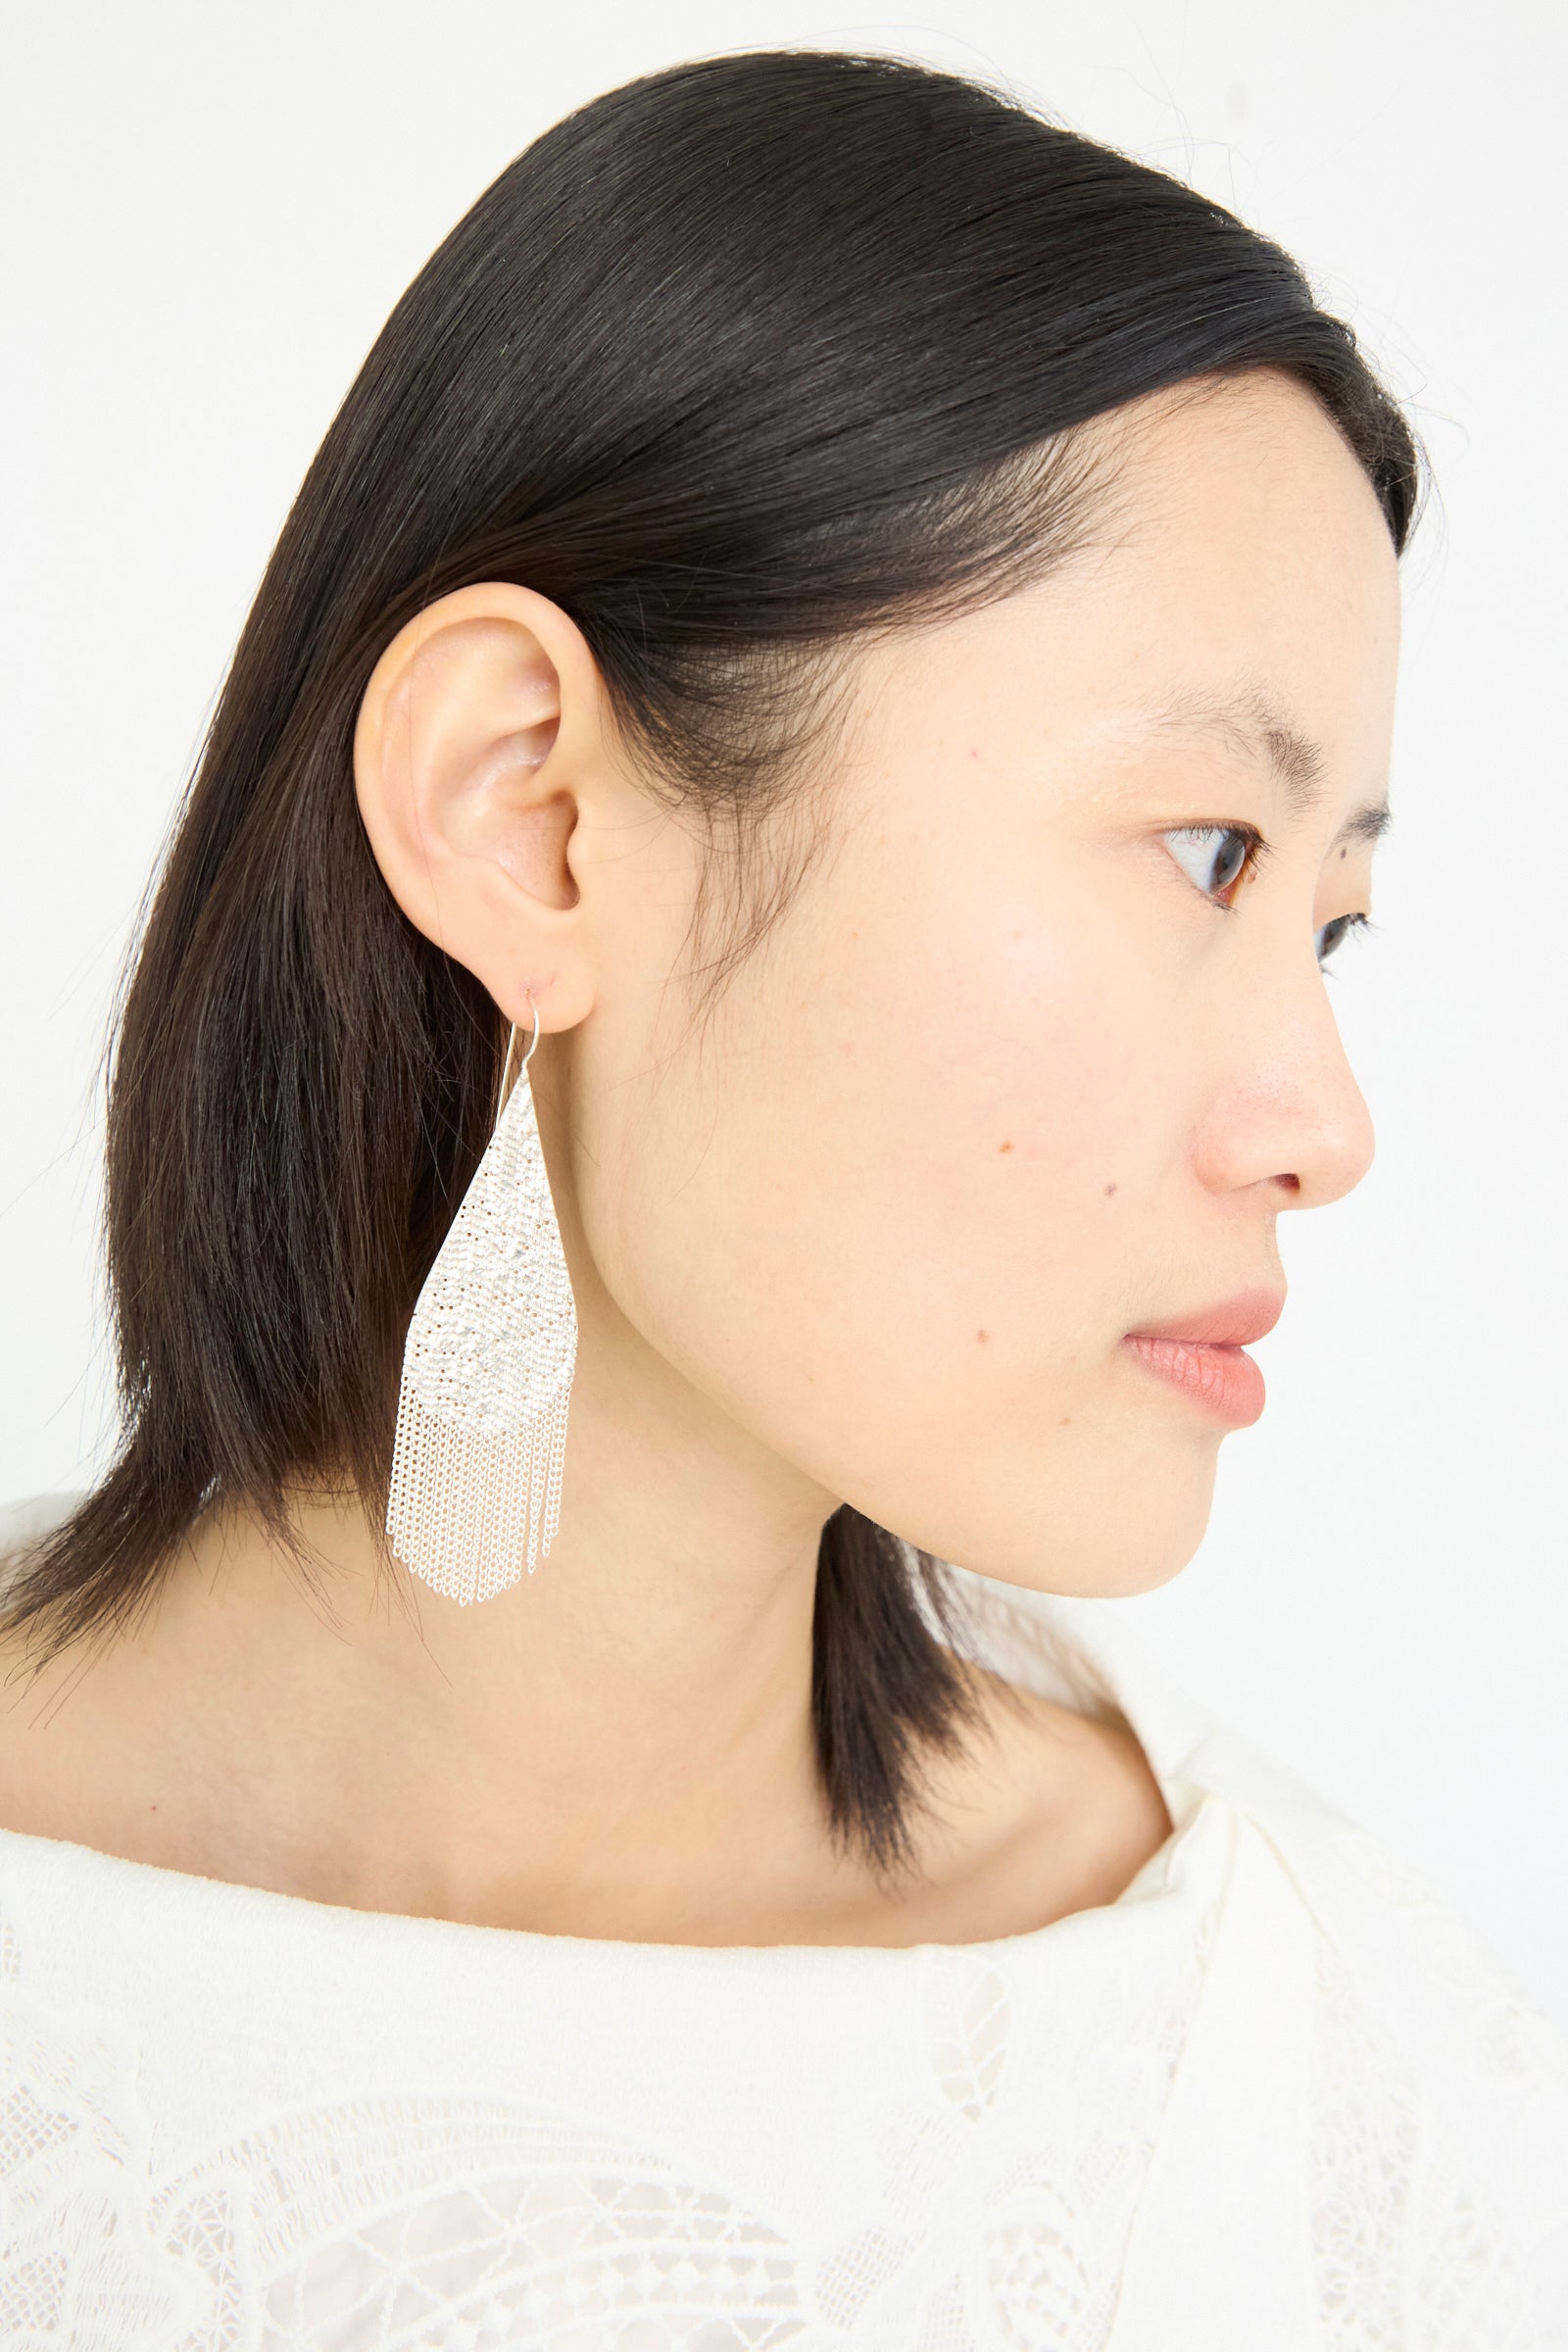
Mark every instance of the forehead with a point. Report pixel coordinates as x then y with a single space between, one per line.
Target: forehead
1237 600
1244 559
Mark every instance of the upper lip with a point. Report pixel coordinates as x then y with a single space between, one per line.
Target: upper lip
1249 1315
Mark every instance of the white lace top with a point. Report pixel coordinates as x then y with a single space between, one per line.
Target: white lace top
1276 2097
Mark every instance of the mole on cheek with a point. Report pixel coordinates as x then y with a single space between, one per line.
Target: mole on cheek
1109 1188
1006 1147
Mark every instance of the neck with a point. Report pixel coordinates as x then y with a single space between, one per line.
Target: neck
624 1732
621 1743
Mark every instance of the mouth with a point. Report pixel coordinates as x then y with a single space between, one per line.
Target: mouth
1200 1354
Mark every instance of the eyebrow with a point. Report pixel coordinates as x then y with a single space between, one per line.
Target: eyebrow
1253 726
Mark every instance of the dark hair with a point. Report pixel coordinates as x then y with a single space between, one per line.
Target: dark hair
736 364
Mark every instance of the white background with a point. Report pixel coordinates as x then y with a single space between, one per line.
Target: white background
211 209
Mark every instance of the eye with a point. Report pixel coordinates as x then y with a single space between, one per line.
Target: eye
1222 857
1334 934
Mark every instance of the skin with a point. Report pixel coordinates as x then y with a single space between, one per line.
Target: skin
1003 1085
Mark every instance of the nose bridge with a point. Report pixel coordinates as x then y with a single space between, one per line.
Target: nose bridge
1286 1104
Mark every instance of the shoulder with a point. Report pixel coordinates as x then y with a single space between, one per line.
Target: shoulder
1435 2086
77 2122
1441 2095
1438 2089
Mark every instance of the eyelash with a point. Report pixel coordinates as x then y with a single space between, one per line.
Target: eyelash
1258 852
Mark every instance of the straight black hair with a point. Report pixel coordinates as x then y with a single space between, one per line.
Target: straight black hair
736 364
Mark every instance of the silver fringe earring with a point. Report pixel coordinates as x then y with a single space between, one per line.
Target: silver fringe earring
487 1366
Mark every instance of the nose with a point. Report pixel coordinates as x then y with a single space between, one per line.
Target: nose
1285 1108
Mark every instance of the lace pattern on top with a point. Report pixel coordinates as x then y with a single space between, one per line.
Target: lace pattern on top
1000 2186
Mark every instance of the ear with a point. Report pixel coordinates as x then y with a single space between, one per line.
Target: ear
478 729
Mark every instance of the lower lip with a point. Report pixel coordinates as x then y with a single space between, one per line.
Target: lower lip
1223 1381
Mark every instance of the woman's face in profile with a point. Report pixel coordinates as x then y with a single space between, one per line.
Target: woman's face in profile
1043 1049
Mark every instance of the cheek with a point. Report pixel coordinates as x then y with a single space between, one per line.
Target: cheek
900 1197
1039 1063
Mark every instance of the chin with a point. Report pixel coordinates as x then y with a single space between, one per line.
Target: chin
1138 1535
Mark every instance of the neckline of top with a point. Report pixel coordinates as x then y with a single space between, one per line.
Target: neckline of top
1065 1647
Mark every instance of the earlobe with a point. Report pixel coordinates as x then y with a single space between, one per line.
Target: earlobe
474 735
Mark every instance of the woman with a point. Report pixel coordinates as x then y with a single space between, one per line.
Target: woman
698 1128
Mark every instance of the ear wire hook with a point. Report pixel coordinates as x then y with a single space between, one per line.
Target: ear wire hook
505 1066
